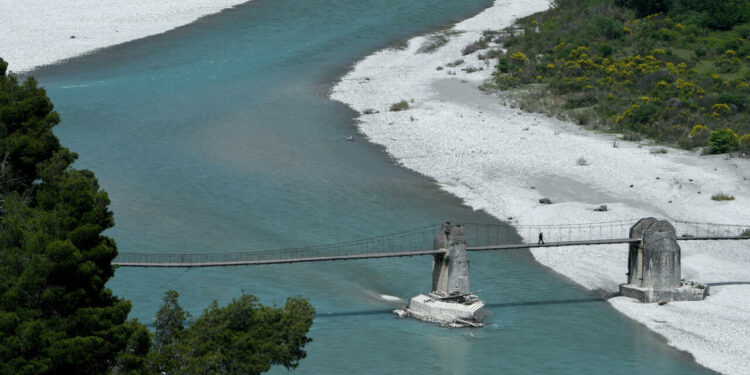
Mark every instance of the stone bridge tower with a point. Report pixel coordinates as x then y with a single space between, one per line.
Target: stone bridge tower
654 269
450 270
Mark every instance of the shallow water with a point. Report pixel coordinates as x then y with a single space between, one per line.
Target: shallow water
220 136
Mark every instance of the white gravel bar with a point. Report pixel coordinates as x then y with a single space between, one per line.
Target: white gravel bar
492 155
34 33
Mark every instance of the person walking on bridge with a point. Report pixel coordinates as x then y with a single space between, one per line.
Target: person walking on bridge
541 239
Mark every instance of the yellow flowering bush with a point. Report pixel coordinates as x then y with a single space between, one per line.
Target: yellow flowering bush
518 56
700 130
721 108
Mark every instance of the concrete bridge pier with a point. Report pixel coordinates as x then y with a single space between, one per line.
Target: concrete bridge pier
450 270
654 269
451 302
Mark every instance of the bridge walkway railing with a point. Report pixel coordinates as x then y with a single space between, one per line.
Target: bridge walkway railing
418 241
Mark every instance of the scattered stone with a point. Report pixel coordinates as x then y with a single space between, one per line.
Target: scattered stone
533 187
663 302
631 185
72 37
545 201
602 208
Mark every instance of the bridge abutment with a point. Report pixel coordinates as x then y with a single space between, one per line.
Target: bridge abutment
654 266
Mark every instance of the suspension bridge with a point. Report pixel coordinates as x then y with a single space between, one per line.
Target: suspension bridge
419 242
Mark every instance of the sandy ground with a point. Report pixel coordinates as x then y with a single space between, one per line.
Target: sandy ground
39 32
503 161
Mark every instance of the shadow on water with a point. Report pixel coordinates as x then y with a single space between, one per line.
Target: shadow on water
489 305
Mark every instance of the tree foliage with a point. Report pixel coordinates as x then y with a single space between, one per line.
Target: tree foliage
56 315
243 337
716 14
644 8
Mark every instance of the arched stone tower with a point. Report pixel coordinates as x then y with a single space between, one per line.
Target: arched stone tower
654 269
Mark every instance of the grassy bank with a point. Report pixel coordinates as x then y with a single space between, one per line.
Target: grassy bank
677 72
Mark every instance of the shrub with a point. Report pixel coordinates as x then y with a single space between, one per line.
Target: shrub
582 161
582 117
436 40
724 14
503 65
518 57
472 69
473 47
722 197
491 54
578 101
745 143
455 63
738 99
644 112
400 106
699 135
644 8
745 233
723 140
743 30
631 136
605 50
607 26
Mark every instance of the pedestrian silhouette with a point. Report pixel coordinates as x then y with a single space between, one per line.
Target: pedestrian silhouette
541 239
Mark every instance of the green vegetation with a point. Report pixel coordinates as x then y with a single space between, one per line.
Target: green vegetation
243 337
400 106
723 140
745 233
744 143
676 71
722 197
56 314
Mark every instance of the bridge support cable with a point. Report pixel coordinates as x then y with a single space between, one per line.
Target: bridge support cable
479 237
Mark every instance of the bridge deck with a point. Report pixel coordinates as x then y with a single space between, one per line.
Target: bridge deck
372 255
375 255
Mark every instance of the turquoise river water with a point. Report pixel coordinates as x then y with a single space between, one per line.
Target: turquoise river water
219 136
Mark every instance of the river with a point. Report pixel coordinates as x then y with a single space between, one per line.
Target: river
220 136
